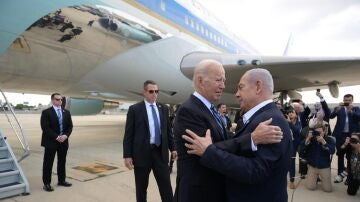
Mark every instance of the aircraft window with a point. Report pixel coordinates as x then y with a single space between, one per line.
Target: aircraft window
197 27
202 30
186 20
206 32
211 35
162 6
192 23
226 44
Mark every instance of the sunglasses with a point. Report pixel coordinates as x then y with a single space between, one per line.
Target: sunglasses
153 91
58 99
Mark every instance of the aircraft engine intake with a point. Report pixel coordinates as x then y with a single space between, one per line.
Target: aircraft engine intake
80 106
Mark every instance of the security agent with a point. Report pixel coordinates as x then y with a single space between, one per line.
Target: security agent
56 125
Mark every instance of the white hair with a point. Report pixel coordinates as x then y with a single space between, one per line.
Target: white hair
263 75
202 69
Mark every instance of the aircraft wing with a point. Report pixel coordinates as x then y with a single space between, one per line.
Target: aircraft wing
289 73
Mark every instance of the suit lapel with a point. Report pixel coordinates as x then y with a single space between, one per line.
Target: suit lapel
143 111
212 120
54 114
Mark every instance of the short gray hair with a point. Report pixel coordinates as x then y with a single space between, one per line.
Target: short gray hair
263 75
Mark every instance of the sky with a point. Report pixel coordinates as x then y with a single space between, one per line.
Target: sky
318 28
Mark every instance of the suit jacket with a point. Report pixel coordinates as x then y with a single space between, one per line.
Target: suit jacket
340 123
304 117
50 127
136 142
196 183
257 176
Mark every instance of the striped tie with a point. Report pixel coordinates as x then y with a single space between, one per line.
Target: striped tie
218 118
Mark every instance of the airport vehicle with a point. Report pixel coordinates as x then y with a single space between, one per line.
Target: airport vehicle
100 51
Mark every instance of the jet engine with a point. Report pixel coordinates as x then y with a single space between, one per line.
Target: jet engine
81 106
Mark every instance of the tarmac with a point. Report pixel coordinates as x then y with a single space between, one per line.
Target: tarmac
96 170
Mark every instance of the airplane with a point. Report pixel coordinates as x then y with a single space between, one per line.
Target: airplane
98 52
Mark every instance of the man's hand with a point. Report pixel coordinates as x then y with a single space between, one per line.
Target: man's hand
129 163
337 108
319 95
349 108
309 136
174 155
265 133
321 140
61 138
197 145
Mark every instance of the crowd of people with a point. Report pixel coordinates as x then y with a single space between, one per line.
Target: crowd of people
316 143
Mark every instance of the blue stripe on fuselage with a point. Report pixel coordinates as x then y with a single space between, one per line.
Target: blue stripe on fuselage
176 13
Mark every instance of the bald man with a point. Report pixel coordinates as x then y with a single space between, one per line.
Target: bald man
195 182
260 175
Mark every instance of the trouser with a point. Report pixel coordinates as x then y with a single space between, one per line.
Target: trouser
162 177
341 154
49 155
353 185
325 176
292 162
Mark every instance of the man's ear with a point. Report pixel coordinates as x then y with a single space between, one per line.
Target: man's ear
258 84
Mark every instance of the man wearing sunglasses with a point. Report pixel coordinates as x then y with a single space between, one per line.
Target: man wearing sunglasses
147 142
56 125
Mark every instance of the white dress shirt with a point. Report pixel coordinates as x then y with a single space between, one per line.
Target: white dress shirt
250 113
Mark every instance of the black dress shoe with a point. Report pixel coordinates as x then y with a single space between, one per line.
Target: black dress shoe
48 188
65 184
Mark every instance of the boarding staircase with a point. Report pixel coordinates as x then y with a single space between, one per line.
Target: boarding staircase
12 179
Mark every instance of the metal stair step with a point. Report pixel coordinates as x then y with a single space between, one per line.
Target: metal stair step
4 153
6 164
8 178
9 184
12 189
5 171
9 172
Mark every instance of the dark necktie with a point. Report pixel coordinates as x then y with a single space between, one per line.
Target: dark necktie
59 115
156 125
218 118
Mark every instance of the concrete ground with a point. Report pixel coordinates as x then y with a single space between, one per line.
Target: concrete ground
97 142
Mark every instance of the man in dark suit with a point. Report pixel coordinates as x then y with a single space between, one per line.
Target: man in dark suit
250 176
346 123
56 125
221 107
195 182
147 142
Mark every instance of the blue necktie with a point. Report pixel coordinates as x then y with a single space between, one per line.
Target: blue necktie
217 118
59 115
157 126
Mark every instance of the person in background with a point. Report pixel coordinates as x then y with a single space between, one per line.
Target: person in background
346 123
56 125
295 128
223 113
147 142
354 174
318 147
